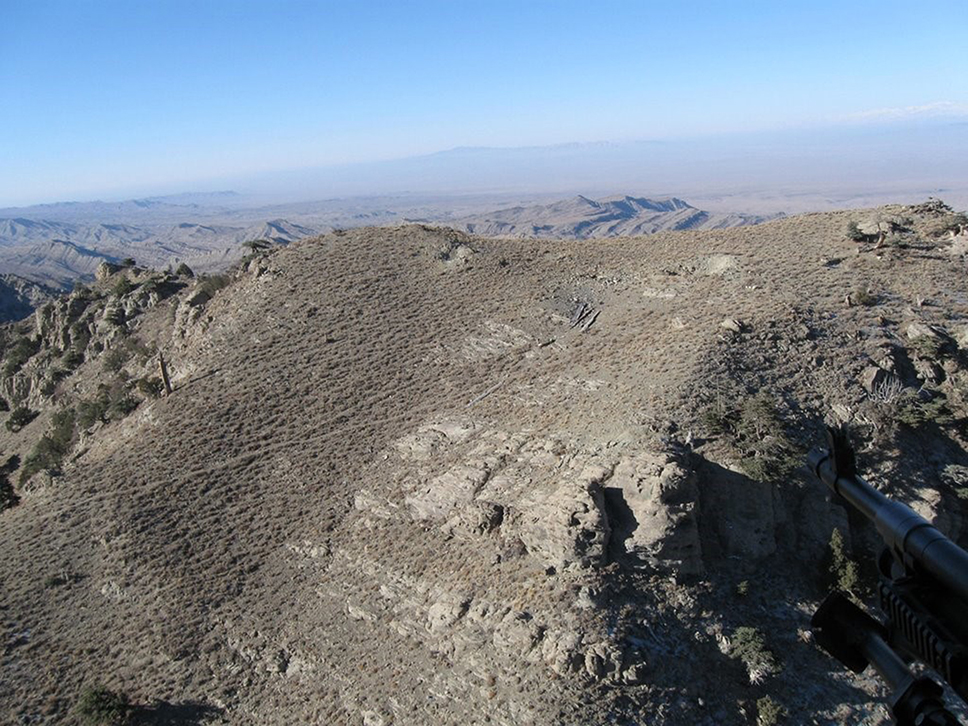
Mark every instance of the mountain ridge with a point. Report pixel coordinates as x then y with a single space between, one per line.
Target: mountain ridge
584 218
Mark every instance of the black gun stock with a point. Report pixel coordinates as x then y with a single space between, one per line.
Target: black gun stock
923 593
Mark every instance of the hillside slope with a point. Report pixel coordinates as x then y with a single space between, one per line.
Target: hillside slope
412 476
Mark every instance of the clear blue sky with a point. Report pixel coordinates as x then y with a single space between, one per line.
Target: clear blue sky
103 98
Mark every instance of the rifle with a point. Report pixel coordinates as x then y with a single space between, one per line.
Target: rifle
922 592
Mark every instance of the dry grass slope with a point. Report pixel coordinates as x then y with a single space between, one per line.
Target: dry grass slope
258 544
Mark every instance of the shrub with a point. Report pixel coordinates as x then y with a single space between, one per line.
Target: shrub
258 245
73 358
928 347
717 417
115 315
114 360
743 588
112 402
843 570
19 353
755 431
863 297
150 387
758 417
912 410
80 336
184 270
122 287
128 262
769 712
100 706
49 452
213 283
747 645
8 497
20 417
854 233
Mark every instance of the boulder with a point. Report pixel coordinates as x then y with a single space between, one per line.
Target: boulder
873 377
651 501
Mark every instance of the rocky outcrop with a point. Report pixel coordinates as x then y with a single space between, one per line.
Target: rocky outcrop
652 500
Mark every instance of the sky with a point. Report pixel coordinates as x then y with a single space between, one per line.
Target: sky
113 99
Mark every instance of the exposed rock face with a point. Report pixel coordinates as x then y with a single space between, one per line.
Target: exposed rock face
532 491
653 500
740 517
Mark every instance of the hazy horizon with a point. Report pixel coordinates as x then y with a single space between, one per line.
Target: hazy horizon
113 100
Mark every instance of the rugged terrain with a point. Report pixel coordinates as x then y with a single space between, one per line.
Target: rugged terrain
57 244
408 475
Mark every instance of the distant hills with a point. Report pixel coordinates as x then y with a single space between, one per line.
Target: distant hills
582 218
56 253
56 244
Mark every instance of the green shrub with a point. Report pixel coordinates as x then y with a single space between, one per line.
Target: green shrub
843 570
912 410
758 417
112 402
743 588
184 270
114 360
769 712
49 452
115 315
80 336
213 283
20 417
19 353
150 387
100 706
258 245
756 433
854 233
73 358
8 497
928 347
747 645
717 417
128 262
122 287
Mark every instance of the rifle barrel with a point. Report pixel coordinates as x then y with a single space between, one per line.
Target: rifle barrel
910 537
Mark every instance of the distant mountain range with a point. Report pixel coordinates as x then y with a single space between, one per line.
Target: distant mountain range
57 253
582 218
56 244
